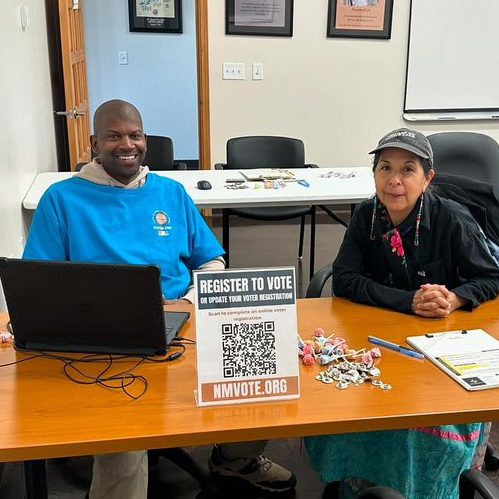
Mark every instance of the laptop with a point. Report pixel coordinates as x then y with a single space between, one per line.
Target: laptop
87 307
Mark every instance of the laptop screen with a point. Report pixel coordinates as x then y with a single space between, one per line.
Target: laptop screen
84 307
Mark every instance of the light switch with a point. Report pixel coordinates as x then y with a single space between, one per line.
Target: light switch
233 71
122 57
25 16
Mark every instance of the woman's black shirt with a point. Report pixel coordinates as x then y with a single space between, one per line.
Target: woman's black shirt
451 252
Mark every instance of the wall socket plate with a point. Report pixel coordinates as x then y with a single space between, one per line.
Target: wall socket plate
233 71
258 71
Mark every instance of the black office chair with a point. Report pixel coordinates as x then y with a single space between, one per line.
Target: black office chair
472 156
268 152
316 284
478 197
467 154
207 484
470 482
380 493
79 166
159 154
177 455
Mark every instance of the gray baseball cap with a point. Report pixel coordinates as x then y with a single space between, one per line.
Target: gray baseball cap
410 140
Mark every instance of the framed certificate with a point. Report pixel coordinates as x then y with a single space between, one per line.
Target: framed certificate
155 16
360 18
259 17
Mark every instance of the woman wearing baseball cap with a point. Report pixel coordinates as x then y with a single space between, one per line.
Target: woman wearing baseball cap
415 252
409 249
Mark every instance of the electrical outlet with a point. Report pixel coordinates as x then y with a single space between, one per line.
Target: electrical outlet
233 71
258 71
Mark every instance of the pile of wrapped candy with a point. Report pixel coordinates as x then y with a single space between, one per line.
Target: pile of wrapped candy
325 350
6 337
349 366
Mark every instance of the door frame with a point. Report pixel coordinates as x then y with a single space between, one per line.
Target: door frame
57 83
202 60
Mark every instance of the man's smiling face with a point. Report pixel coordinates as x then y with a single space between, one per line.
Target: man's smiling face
121 145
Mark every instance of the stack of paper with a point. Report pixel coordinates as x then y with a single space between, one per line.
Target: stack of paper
470 357
268 174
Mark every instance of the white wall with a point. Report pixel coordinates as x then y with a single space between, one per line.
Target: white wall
339 95
27 142
160 78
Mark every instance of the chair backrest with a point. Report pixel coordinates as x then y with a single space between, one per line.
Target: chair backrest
79 166
319 279
478 197
265 152
159 154
468 154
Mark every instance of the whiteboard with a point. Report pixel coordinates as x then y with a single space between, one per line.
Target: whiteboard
453 58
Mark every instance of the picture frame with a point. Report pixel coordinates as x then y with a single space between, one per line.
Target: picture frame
155 16
259 17
360 18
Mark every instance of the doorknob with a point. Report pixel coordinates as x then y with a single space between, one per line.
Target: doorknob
68 114
72 113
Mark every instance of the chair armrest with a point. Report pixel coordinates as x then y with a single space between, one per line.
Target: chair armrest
473 480
311 165
318 280
220 166
180 165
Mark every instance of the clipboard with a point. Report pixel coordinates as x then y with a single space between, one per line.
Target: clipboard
471 357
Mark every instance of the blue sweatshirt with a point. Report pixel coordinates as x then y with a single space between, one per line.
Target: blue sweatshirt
157 223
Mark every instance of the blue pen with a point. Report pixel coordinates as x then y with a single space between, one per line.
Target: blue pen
303 182
394 346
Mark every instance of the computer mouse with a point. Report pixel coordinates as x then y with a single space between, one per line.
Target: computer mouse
204 185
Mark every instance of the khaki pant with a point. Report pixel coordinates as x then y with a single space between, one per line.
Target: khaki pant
120 476
124 475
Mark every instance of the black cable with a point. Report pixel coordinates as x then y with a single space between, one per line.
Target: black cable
125 378
185 340
122 380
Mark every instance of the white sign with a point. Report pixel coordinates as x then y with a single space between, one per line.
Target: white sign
155 8
246 332
260 13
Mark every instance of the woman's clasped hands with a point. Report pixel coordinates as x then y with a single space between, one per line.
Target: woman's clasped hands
435 300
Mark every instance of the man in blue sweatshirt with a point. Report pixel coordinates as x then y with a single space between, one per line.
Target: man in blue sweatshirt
116 211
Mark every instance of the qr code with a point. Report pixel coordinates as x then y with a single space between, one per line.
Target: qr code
248 349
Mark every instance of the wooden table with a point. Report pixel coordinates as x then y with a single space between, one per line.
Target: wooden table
44 415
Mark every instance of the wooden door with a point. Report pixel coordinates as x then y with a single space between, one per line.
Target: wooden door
75 81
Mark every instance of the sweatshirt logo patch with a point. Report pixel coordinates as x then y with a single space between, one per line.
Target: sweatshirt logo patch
161 223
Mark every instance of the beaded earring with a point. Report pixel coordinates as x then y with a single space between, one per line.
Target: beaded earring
373 219
418 221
